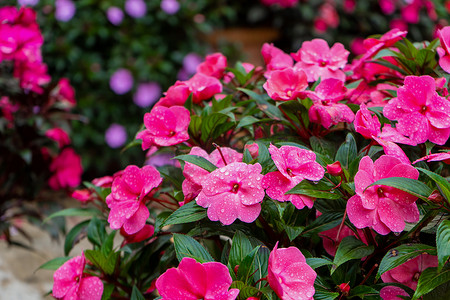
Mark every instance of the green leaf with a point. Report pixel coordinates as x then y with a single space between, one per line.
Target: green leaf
411 186
261 264
323 222
136 294
347 152
293 231
350 248
240 247
322 146
322 294
316 190
55 263
107 291
429 280
316 262
399 255
247 291
210 122
96 232
245 269
198 161
70 212
188 213
443 243
74 236
186 246
440 181
361 291
108 243
195 125
106 263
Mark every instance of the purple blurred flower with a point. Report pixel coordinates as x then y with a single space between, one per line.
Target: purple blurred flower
65 10
115 15
28 2
136 8
161 159
170 7
115 135
121 81
147 94
190 62
183 75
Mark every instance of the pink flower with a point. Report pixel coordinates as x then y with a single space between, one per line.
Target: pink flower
165 126
71 283
214 65
382 208
253 149
32 75
193 280
203 87
282 3
83 195
442 156
58 135
128 197
387 6
104 182
231 192
67 169
421 113
275 58
392 293
65 92
366 124
325 109
289 275
286 84
444 50
410 12
145 233
294 165
176 95
409 272
194 175
319 61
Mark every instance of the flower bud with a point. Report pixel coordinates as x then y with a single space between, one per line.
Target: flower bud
435 197
335 169
344 288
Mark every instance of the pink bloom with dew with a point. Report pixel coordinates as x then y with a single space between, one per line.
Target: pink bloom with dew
232 192
325 109
444 50
67 170
165 126
286 84
382 208
318 60
128 197
145 233
58 135
176 95
289 275
214 65
442 156
194 175
193 280
275 58
294 165
421 113
203 87
409 272
392 293
71 283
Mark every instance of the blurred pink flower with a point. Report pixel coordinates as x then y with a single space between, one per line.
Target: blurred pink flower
410 12
421 113
319 61
32 75
444 50
128 197
83 195
294 165
193 280
214 65
233 191
325 109
382 208
71 283
67 170
289 275
387 6
282 3
58 135
286 84
409 272
65 93
165 126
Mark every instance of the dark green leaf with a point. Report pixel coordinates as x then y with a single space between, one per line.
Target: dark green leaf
443 243
261 264
107 291
323 222
411 186
361 291
350 248
293 231
136 294
210 122
55 263
70 212
440 181
186 246
319 190
316 262
96 232
429 280
245 269
198 161
74 236
106 263
347 152
189 212
108 243
240 247
322 294
247 291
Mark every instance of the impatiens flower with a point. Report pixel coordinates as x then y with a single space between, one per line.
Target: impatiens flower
442 156
83 195
319 61
214 65
294 165
203 87
193 280
366 124
145 233
289 275
325 109
65 93
67 169
286 84
231 192
421 113
409 272
165 126
128 197
382 208
121 81
71 283
176 95
58 135
444 50
275 58
194 175
32 75
392 293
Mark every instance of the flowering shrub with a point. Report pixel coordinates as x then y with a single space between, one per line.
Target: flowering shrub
35 121
312 177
